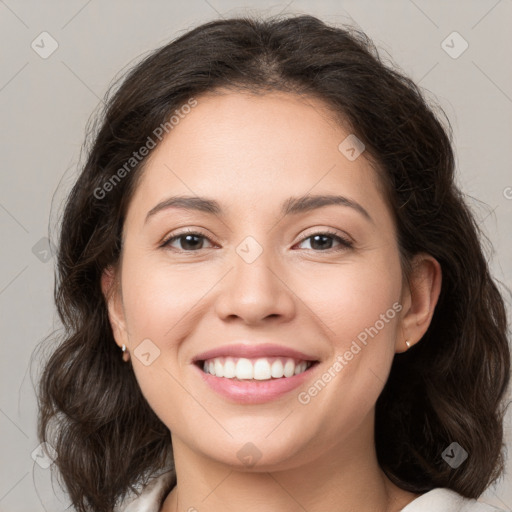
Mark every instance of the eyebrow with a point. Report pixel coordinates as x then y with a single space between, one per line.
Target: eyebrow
291 206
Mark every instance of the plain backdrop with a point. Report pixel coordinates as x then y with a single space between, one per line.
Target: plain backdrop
47 98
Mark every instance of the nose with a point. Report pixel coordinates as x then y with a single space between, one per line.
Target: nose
256 290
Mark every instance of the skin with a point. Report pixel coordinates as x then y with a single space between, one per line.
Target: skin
250 153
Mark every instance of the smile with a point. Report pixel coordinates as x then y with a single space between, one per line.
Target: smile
255 381
262 368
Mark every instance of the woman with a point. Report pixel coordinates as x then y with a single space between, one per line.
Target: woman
275 296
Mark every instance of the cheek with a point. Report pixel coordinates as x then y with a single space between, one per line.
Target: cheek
352 297
159 298
359 310
160 303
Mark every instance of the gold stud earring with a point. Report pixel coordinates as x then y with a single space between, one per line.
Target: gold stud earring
126 355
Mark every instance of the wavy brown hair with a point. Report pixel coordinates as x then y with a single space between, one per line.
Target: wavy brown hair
448 387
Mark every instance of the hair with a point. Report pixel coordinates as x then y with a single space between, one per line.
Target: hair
449 387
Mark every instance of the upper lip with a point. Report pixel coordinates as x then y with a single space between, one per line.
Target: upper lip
252 351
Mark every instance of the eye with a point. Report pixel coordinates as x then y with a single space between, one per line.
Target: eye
190 241
322 242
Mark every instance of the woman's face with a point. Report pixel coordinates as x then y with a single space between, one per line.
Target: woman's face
266 268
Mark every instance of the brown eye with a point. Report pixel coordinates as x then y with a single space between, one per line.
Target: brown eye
321 242
189 241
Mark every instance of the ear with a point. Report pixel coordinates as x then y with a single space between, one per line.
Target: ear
419 299
112 292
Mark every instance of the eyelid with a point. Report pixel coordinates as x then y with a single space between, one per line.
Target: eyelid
327 231
186 231
345 242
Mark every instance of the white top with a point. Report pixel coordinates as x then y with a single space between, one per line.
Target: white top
441 499
437 500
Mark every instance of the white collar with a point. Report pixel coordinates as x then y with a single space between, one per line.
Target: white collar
442 499
150 496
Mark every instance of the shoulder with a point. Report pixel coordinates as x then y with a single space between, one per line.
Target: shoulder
442 499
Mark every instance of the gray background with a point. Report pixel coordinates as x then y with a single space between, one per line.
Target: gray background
46 102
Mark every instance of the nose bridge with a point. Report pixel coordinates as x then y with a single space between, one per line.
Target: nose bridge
256 262
255 289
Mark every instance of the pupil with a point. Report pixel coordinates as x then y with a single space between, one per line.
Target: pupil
187 238
325 238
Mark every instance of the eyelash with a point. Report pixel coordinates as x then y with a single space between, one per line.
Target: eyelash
344 242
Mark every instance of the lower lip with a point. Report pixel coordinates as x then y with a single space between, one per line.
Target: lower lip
255 391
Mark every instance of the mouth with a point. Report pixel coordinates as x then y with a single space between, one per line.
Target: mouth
254 369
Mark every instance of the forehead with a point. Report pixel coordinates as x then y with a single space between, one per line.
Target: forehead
254 150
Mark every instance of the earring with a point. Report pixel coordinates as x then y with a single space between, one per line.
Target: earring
126 355
408 343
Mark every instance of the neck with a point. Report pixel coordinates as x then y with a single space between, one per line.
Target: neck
343 477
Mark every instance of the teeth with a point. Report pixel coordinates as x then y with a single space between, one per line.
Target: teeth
219 369
263 368
229 368
244 369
